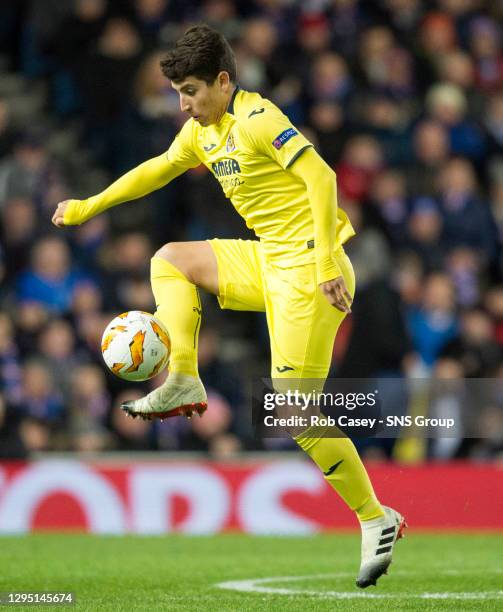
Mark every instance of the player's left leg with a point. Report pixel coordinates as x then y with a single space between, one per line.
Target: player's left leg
303 325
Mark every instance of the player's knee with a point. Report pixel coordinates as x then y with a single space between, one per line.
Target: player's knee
177 256
168 251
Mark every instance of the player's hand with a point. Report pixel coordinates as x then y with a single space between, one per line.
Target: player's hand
58 216
336 292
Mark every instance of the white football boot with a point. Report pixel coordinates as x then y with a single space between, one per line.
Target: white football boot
179 395
378 539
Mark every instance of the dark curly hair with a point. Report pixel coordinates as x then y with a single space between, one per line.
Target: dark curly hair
202 53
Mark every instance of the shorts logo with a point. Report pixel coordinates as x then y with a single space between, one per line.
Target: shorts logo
284 368
285 136
231 145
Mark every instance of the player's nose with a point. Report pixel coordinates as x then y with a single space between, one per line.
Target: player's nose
184 105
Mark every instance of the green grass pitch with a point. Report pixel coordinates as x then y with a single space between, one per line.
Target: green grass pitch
181 573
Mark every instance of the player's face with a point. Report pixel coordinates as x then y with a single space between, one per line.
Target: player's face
205 103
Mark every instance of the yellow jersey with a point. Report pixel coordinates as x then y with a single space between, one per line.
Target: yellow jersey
249 152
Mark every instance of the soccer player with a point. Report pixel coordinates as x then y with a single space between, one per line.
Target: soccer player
297 272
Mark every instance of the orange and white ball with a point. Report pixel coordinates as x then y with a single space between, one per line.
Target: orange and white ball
136 346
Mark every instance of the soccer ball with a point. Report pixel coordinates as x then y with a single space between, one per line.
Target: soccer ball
136 346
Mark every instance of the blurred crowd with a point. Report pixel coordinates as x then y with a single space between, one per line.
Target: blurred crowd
403 98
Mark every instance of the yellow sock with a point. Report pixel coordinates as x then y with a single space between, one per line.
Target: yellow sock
179 308
343 469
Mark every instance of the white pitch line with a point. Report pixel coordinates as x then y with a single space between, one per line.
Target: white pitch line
257 585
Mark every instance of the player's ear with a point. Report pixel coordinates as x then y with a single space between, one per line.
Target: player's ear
224 80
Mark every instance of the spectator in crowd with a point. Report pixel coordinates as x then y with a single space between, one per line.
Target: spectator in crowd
87 299
57 348
362 160
42 399
448 400
30 318
388 121
88 407
70 44
468 220
107 84
447 104
376 46
51 280
20 229
388 194
431 150
10 367
127 264
327 119
485 45
313 38
434 321
424 229
464 266
475 348
437 36
457 68
256 53
29 172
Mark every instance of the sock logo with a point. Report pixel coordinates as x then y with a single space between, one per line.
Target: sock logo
332 469
284 368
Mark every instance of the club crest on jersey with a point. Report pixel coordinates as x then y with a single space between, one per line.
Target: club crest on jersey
231 145
284 137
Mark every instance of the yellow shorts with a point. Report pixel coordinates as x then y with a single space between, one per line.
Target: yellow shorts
302 324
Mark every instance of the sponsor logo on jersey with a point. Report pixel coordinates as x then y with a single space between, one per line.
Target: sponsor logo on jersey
226 167
231 145
284 137
210 147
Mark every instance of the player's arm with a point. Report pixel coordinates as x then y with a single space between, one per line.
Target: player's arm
321 184
145 178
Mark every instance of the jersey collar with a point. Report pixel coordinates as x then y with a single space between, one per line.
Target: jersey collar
230 108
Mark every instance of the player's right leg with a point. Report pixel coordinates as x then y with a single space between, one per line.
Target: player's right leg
229 269
177 270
